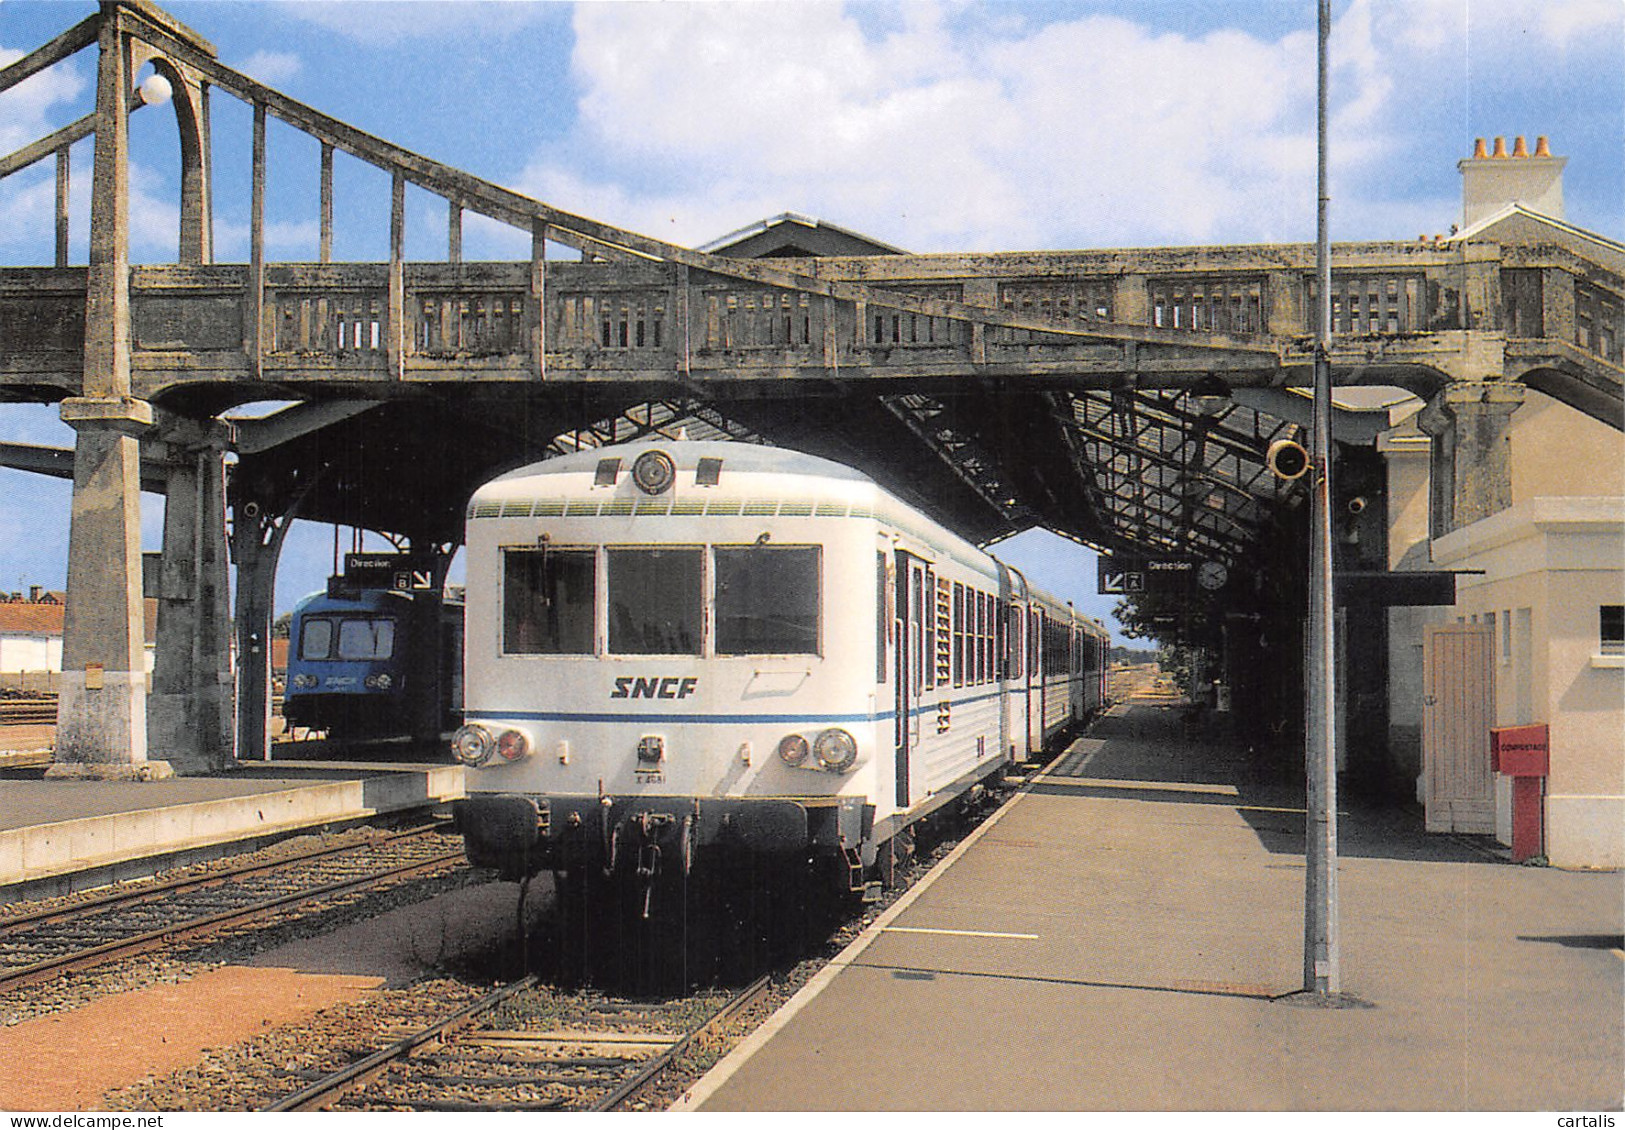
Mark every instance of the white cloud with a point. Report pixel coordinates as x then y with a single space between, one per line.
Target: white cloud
287 240
953 127
1565 23
1440 28
271 67
35 106
155 216
1090 131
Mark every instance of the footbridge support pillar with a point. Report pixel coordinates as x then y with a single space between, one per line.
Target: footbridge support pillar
102 708
1469 422
190 711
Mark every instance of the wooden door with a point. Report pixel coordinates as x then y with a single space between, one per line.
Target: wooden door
1458 709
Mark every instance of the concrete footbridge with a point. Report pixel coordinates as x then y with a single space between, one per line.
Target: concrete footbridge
1126 398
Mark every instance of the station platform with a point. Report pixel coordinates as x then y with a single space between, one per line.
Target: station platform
62 835
1126 935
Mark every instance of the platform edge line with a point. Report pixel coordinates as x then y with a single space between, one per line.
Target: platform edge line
725 1068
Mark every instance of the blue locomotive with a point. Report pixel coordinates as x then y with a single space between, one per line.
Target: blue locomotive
370 664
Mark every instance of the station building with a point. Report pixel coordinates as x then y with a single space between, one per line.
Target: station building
31 639
1536 636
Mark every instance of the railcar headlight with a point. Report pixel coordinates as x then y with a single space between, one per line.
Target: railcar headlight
380 682
512 745
836 750
792 749
473 745
654 472
304 682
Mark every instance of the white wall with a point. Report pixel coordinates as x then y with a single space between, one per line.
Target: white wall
29 651
1549 563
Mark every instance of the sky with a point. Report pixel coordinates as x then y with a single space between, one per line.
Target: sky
961 126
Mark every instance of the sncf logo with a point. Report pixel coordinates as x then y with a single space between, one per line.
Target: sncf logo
669 686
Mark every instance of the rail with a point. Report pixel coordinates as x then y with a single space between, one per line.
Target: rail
28 712
324 1091
645 1077
27 935
595 1081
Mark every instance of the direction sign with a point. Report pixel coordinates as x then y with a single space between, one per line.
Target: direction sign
403 571
1125 575
1118 579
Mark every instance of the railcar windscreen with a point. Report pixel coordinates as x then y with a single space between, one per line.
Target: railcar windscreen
358 637
767 600
655 601
547 601
316 639
366 639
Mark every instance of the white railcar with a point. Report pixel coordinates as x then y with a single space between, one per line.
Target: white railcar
679 646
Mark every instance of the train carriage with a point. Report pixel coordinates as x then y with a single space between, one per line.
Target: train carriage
682 647
372 664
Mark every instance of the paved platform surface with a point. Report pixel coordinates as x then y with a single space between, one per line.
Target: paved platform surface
1124 934
50 829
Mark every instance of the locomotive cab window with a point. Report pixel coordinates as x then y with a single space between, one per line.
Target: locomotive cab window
767 600
366 639
356 638
655 601
316 640
547 601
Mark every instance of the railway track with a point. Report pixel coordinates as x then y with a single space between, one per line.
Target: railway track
436 1045
527 1047
28 712
39 945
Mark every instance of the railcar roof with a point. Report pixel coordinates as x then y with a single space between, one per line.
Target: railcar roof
358 600
751 457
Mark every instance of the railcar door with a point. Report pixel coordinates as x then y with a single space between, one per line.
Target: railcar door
1031 690
1012 597
912 609
1041 675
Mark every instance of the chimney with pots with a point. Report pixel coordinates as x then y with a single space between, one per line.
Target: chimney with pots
1490 180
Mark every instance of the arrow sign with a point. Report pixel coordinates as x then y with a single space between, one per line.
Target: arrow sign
1115 580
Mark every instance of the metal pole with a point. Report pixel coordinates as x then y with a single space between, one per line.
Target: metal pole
1322 973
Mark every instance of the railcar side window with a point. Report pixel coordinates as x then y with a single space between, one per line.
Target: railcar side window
767 600
959 634
984 639
1001 660
882 617
1015 640
655 601
977 620
928 622
547 601
973 637
366 639
316 640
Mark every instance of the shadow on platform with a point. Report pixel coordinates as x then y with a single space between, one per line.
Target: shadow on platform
1153 751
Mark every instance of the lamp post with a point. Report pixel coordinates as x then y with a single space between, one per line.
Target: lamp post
1322 972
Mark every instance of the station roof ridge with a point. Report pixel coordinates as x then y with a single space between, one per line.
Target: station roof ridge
721 243
1515 208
